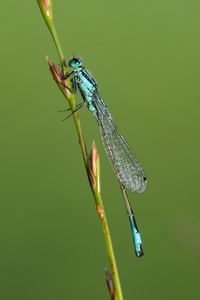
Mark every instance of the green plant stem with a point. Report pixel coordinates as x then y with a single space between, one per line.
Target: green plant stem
98 200
111 255
81 137
56 41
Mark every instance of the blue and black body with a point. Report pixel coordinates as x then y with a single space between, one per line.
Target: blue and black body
122 159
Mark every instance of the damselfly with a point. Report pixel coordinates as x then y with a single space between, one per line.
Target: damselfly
123 161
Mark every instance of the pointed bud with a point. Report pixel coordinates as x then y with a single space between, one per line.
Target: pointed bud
110 284
95 167
54 70
58 77
46 9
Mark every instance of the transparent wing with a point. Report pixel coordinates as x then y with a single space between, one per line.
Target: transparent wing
121 157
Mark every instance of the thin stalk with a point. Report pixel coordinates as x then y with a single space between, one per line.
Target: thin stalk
92 165
96 189
111 255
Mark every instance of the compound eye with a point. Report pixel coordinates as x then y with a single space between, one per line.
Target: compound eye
74 62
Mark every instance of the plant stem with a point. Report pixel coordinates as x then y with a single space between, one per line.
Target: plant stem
94 177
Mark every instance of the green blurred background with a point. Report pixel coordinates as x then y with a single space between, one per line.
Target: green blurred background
144 56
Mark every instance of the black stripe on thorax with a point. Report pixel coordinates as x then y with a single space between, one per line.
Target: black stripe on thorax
87 76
